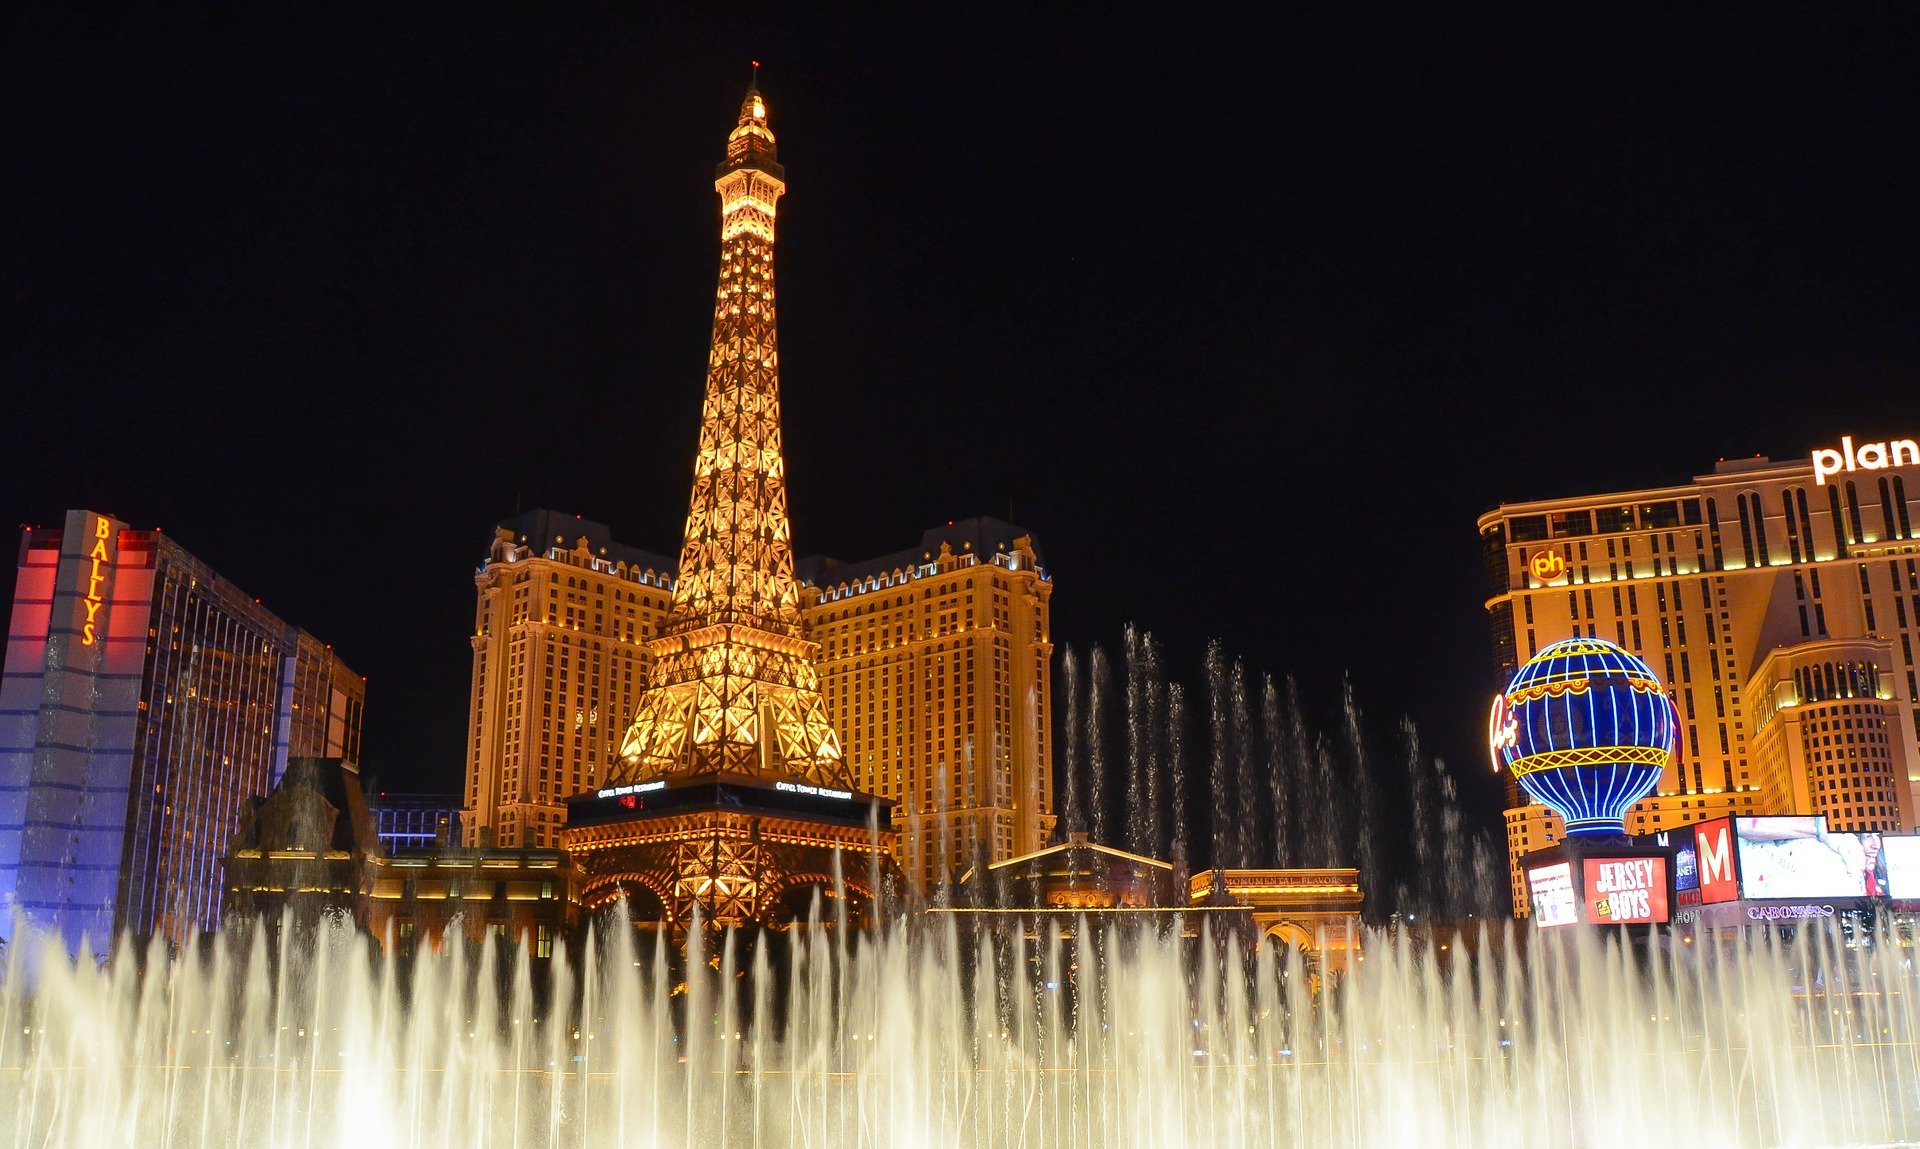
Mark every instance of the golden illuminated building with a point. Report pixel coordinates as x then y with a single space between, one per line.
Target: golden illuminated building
729 797
1315 911
1780 605
921 677
936 666
559 659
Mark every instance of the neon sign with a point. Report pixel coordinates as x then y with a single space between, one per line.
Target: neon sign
1547 566
93 599
1593 729
1788 913
1865 457
1503 730
816 791
636 788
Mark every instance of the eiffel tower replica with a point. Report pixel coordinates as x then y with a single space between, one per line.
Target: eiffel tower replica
731 796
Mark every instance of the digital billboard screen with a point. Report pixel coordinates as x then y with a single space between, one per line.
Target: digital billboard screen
1901 853
1798 857
1625 891
1713 861
1686 861
1551 888
1686 864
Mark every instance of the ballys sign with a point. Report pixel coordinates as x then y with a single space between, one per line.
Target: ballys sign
93 594
1849 456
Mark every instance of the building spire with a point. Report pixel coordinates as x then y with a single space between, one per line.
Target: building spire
733 687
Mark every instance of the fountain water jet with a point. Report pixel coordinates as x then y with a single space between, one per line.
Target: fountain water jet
932 1031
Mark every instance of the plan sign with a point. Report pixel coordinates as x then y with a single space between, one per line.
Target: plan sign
1626 891
1851 457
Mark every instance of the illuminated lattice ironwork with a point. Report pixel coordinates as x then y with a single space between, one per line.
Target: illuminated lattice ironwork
733 687
733 867
1586 728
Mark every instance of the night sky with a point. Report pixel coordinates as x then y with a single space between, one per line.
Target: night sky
1247 319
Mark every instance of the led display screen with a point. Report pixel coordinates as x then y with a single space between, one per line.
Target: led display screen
1551 888
1686 863
1626 891
1799 857
1901 853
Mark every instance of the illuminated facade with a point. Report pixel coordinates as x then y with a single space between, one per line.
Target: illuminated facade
314 848
729 797
559 659
145 700
1779 603
921 677
936 666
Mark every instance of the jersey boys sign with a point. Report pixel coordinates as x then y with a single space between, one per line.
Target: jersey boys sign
1626 891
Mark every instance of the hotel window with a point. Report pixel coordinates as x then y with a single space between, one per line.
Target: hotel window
1793 526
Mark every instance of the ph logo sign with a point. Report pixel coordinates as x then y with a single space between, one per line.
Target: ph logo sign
1864 457
1547 566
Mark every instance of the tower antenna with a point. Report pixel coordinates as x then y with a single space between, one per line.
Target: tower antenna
755 82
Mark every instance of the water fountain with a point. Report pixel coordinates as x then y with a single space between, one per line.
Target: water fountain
937 1034
945 1028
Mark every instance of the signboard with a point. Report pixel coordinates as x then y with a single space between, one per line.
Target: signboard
1547 566
1738 915
1551 890
1714 859
1798 858
1686 869
1864 457
1625 891
634 788
1901 854
816 791
1503 731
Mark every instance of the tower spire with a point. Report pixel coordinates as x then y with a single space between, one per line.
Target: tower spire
733 687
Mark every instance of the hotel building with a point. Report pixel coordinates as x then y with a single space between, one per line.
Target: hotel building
934 662
145 700
1779 602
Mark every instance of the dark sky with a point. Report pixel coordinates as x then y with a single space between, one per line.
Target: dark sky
1247 318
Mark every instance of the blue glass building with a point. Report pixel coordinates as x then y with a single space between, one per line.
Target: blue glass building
144 700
